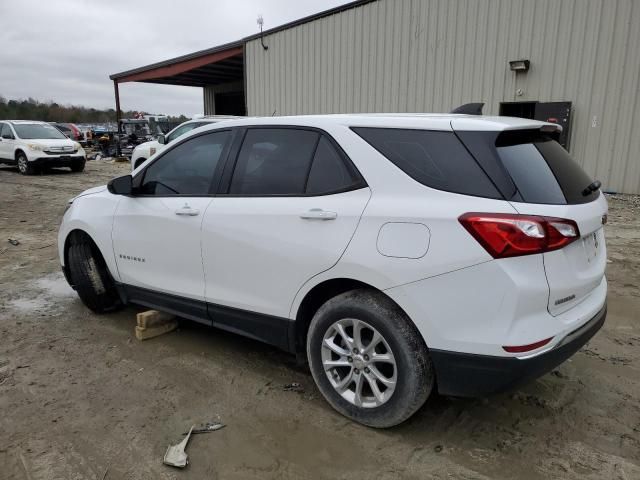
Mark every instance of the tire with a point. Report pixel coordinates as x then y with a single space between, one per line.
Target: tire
25 167
412 369
78 166
91 278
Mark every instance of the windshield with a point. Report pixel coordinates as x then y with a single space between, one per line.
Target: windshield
38 131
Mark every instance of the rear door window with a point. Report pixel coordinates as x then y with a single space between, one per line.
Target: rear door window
331 172
274 161
436 159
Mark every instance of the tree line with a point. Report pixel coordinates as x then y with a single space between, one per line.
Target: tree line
32 109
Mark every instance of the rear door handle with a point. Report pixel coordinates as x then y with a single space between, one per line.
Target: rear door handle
187 211
318 214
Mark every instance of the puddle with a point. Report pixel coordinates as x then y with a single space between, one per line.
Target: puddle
28 304
56 285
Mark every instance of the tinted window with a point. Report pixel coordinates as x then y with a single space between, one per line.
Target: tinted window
531 174
436 159
182 130
274 161
187 169
330 172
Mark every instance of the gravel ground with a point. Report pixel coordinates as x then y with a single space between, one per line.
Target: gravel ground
81 398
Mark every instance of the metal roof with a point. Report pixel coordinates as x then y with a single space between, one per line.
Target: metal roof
220 64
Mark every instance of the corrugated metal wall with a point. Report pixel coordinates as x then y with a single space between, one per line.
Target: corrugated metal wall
433 55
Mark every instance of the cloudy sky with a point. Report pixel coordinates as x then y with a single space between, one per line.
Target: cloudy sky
65 50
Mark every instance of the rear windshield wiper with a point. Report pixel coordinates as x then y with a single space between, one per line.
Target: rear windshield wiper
592 187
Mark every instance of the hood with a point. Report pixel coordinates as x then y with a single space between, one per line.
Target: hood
90 191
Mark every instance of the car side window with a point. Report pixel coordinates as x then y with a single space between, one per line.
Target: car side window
188 169
330 171
274 161
5 131
181 131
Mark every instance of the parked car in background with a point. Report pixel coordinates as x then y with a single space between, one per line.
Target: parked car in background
399 254
143 151
71 131
34 146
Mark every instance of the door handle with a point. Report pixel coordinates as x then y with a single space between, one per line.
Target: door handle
319 214
187 211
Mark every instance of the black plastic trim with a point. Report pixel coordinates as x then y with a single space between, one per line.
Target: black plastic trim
258 326
469 375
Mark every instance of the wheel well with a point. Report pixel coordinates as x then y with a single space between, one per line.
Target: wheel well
314 299
139 162
75 237
18 152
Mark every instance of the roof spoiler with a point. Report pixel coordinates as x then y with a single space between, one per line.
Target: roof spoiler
469 109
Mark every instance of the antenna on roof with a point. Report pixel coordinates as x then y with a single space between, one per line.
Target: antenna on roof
260 22
469 109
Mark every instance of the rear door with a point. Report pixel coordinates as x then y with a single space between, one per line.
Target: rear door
288 212
548 182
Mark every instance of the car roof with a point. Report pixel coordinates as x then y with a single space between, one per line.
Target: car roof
28 122
427 121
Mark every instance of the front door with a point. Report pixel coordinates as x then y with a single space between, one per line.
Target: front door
156 232
6 142
291 208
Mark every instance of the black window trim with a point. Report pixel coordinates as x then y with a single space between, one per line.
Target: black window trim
232 161
138 179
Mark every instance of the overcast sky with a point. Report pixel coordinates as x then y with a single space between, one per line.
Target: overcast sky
65 50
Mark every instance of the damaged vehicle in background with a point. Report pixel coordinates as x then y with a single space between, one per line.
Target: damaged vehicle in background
145 150
400 255
35 146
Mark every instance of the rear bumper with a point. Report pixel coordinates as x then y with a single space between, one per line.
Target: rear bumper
469 375
61 161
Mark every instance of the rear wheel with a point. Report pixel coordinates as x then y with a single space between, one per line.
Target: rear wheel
91 278
368 359
24 165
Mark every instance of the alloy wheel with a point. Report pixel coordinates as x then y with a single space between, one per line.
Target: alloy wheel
359 363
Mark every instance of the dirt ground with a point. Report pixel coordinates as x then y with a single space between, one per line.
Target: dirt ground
81 398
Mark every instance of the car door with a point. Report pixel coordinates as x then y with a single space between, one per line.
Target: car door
288 213
6 142
156 232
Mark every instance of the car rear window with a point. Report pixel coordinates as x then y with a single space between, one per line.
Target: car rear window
530 166
436 159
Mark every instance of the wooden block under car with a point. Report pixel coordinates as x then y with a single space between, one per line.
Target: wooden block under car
153 323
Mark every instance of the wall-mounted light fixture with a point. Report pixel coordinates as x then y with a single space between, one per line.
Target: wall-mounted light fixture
519 65
260 22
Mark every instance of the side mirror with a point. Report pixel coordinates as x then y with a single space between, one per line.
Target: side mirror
161 139
121 185
7 137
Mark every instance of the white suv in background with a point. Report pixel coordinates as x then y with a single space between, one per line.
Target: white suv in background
34 146
145 150
398 254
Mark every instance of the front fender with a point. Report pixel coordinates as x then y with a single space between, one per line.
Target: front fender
92 214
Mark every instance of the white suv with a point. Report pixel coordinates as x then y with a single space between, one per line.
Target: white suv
33 146
145 150
398 253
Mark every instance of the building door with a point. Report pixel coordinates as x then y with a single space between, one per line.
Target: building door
553 112
231 103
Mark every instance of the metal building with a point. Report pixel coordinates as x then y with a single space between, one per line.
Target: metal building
580 67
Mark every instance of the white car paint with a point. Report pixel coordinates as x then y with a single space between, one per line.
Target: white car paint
259 254
36 148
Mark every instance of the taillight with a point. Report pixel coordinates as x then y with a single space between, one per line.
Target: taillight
511 235
526 348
